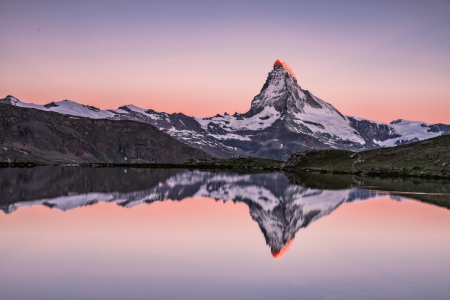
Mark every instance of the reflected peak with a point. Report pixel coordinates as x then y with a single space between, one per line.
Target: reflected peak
279 254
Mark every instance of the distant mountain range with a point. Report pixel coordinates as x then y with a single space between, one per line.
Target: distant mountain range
282 117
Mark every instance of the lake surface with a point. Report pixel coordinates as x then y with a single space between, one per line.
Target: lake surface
115 233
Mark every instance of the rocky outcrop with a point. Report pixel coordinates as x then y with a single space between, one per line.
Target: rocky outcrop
373 130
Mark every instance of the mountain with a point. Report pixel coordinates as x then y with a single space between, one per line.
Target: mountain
398 132
283 117
279 207
31 135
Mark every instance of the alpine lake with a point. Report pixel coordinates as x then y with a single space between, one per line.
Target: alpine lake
142 233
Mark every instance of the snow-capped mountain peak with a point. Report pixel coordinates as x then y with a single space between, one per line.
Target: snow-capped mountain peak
10 100
282 92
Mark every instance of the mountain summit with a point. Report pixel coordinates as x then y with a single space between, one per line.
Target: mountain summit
280 63
282 92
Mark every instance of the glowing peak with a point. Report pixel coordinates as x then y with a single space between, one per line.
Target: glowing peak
281 63
278 254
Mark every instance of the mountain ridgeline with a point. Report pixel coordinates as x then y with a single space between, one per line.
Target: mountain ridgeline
30 135
283 117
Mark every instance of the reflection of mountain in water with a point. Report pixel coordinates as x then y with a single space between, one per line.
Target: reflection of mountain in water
280 208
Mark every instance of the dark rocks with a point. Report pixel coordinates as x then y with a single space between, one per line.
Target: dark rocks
50 105
372 130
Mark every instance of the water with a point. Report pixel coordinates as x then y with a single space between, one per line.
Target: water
114 233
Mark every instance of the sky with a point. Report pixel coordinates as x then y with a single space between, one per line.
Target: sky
381 60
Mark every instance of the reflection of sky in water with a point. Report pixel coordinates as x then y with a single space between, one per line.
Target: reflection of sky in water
205 249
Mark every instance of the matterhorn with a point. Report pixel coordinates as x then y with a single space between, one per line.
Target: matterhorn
283 117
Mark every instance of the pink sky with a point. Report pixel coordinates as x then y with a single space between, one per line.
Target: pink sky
378 61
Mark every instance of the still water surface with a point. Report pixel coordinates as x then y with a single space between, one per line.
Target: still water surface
84 233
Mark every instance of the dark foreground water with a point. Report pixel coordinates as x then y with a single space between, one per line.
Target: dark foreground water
114 233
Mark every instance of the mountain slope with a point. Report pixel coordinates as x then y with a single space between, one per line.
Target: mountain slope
424 158
32 135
